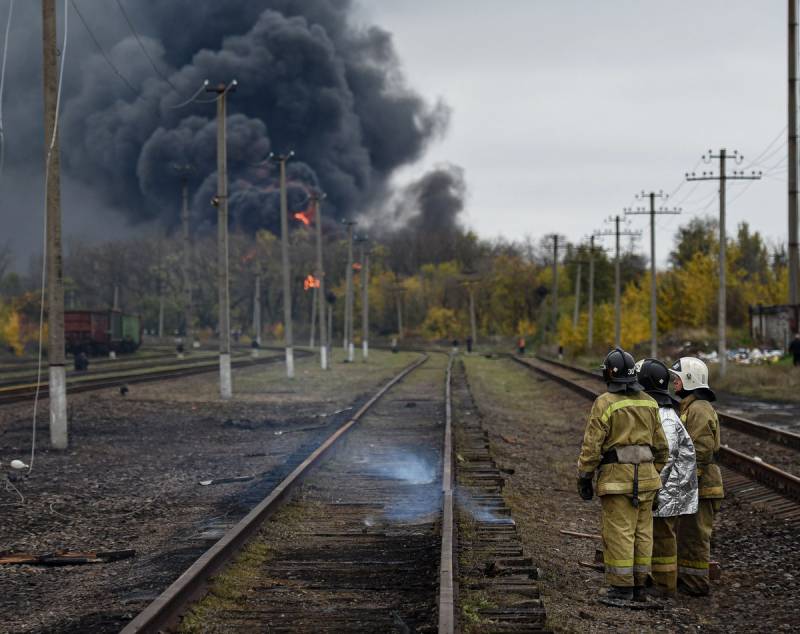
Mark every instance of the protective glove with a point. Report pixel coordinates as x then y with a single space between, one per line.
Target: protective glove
585 488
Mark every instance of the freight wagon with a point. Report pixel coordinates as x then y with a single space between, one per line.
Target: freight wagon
98 332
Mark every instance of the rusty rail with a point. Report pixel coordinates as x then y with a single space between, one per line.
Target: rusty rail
116 379
447 618
191 585
772 477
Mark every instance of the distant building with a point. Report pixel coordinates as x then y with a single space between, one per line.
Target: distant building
774 325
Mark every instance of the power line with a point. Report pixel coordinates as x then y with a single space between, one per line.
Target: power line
102 51
142 46
2 86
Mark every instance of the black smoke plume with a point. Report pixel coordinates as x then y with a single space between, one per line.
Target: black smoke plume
310 79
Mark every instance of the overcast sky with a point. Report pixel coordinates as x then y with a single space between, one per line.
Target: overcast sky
564 109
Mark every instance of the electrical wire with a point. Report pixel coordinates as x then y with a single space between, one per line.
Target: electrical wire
758 158
102 51
48 161
2 87
142 46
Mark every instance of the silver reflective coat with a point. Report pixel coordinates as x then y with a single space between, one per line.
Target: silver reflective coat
678 493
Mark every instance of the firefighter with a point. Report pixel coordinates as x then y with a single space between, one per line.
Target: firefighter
794 349
624 442
678 493
690 380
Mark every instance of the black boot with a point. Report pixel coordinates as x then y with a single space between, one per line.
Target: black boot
619 593
640 594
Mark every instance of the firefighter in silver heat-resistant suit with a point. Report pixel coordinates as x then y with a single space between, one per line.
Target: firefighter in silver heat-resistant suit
678 493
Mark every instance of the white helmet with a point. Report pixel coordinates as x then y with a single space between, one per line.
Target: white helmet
693 373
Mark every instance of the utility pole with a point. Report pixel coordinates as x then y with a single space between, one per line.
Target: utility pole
555 238
398 297
794 255
348 300
364 297
160 285
184 170
221 201
313 321
281 159
577 309
652 212
316 199
617 232
257 302
56 359
722 177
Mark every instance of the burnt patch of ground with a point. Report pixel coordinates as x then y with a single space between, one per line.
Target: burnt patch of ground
131 480
536 428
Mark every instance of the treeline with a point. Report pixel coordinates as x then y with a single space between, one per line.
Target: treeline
419 278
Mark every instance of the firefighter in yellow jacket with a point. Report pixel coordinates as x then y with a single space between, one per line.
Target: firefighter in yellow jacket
625 443
690 380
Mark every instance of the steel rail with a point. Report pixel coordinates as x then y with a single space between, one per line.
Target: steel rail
447 618
774 478
10 395
165 610
732 421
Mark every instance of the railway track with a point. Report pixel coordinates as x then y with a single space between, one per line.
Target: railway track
363 554
763 484
15 393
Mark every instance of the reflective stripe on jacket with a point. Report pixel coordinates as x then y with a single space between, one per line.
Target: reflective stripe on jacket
702 424
678 493
619 420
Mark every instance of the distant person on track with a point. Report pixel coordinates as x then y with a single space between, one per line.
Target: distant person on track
794 349
625 443
678 493
521 345
81 361
469 344
690 380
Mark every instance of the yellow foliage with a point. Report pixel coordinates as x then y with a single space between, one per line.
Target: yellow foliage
441 323
526 328
10 329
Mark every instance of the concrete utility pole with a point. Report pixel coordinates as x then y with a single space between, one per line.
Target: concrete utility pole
364 297
221 201
617 283
160 286
287 278
257 302
652 212
317 199
794 255
186 263
722 177
398 297
348 300
555 238
56 359
577 309
313 317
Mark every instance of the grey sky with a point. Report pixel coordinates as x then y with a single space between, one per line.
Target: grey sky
563 110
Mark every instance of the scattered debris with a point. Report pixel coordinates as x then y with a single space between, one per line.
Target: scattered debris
18 464
66 557
564 531
206 483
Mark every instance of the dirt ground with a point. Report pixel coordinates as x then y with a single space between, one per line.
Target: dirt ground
536 428
130 480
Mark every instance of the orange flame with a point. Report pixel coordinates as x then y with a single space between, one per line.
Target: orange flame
310 282
247 257
356 266
303 217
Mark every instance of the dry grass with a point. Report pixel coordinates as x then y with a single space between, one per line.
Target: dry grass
780 382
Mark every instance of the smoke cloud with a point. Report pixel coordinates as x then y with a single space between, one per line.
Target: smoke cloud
310 79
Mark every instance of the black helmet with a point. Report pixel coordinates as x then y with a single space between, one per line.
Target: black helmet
653 375
619 372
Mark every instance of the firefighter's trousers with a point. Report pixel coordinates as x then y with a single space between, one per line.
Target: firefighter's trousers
694 547
627 538
665 553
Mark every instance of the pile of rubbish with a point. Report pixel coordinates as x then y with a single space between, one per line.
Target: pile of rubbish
745 356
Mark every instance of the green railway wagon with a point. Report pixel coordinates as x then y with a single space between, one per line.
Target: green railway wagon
131 332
